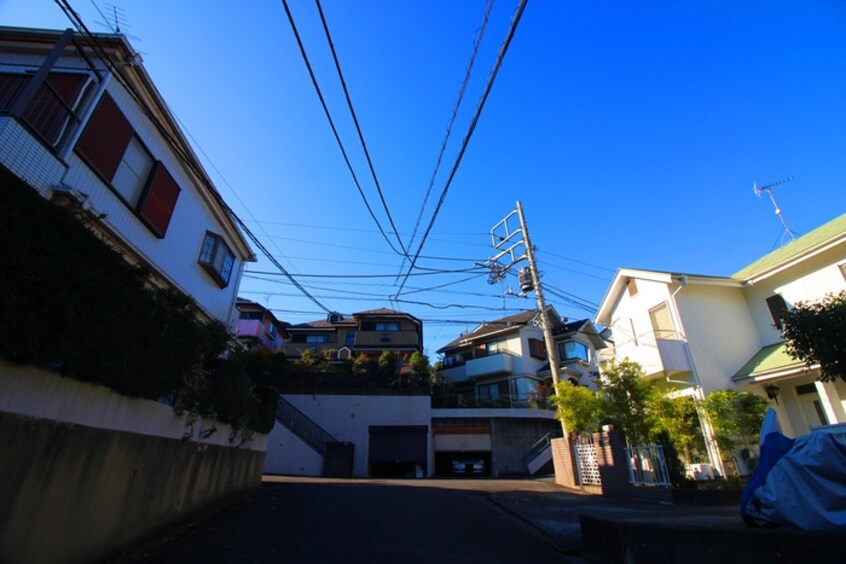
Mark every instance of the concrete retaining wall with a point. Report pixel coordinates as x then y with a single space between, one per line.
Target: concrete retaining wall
76 492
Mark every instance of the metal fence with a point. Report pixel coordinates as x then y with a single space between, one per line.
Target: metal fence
647 466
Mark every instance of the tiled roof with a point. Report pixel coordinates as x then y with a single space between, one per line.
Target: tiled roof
818 237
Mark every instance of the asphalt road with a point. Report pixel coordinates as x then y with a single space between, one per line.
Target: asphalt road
321 520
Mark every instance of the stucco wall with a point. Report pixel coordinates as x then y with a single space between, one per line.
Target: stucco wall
720 332
348 419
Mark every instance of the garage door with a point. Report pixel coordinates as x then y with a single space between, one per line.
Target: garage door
398 443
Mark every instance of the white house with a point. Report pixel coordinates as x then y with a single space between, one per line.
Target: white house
695 334
85 124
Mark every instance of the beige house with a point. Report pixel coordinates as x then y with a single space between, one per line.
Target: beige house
369 332
695 334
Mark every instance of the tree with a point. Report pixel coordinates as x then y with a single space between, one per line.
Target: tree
814 334
736 418
630 401
387 364
679 417
579 409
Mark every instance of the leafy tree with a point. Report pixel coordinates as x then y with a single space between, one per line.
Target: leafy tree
579 409
736 418
679 417
814 334
362 365
630 401
311 361
420 364
387 364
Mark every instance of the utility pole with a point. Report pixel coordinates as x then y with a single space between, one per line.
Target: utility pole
508 241
545 324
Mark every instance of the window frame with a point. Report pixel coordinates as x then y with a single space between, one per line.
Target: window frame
663 334
564 357
776 304
222 274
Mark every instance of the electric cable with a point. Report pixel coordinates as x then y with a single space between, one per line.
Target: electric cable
500 57
332 125
358 127
477 40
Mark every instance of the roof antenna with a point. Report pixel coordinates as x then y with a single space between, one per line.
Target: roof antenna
786 232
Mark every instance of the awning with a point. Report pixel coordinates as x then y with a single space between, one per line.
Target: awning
772 361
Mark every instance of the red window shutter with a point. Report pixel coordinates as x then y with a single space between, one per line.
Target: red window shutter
45 113
105 138
159 199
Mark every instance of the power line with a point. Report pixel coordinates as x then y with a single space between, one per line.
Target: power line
480 32
352 276
358 127
332 125
500 56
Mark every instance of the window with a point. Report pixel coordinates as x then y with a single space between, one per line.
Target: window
489 392
250 315
778 309
387 326
385 338
271 329
217 259
317 338
50 109
495 347
350 339
111 148
662 322
537 349
573 350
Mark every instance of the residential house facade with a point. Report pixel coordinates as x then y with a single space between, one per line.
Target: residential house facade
258 328
497 421
504 362
695 334
84 125
368 332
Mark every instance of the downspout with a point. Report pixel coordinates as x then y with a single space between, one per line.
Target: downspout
698 392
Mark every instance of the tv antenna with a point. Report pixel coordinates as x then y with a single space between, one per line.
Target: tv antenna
786 232
114 19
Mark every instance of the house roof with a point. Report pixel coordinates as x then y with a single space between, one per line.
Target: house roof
386 312
769 362
817 240
623 275
488 328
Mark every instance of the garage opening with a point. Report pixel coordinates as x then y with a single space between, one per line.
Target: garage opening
398 451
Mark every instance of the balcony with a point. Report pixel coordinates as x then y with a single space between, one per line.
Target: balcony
499 363
657 356
387 339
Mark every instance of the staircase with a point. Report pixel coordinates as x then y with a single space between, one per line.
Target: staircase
337 456
541 453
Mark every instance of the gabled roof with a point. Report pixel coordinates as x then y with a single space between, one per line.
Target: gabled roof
489 328
386 312
818 240
621 279
584 326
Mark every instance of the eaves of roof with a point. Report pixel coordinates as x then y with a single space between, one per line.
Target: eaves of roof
818 240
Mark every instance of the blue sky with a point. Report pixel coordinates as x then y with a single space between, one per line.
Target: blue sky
631 132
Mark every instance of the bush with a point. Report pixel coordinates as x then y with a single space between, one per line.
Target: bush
74 305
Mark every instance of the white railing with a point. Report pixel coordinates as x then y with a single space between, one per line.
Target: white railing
647 466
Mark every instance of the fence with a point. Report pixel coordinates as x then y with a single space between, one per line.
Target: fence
587 463
647 466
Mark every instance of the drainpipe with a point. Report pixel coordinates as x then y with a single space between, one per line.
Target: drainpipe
698 392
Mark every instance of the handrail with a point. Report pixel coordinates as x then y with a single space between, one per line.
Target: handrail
303 426
541 445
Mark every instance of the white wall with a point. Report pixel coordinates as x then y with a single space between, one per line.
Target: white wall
634 337
176 254
287 454
348 419
721 333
